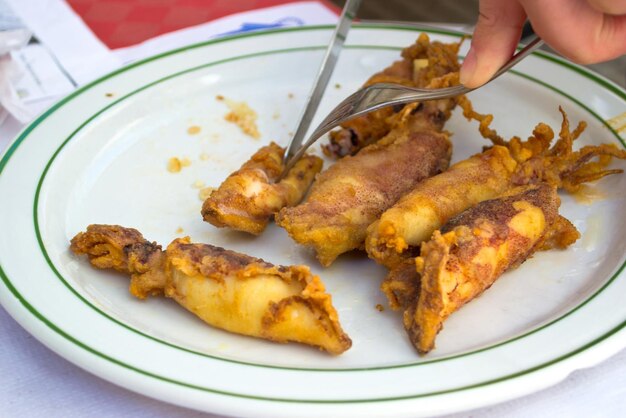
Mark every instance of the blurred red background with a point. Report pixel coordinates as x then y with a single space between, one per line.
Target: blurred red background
120 23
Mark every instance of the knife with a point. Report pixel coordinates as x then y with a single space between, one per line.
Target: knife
323 76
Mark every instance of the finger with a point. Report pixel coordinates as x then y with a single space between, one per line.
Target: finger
611 7
497 32
583 34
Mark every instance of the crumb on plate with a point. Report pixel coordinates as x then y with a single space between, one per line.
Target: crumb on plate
198 184
194 130
380 307
243 116
175 164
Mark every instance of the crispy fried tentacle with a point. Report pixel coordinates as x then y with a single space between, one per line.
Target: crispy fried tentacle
484 121
558 164
248 198
421 63
484 176
474 249
228 290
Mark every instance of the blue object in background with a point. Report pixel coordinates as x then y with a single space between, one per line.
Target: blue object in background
281 23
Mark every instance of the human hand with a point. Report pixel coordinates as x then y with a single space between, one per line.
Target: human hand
585 31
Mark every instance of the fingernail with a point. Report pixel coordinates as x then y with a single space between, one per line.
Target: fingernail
468 67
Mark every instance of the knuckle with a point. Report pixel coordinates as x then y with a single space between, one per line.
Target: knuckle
500 14
489 17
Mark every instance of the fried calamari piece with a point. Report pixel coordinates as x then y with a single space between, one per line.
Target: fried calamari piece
558 164
352 193
473 250
402 284
485 176
416 215
226 289
249 197
421 64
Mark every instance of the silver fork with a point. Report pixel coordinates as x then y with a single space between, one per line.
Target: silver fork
382 95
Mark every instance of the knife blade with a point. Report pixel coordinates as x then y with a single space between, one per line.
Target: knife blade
323 76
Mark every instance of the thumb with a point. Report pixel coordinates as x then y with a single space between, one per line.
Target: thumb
497 33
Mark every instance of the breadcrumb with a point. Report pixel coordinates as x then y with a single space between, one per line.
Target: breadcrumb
194 130
290 95
380 307
198 184
180 230
337 86
174 165
204 156
243 116
219 97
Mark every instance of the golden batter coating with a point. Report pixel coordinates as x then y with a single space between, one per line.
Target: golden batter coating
226 289
417 214
402 285
484 176
125 250
249 197
473 250
421 64
351 194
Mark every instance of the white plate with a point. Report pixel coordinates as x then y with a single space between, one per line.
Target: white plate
99 156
